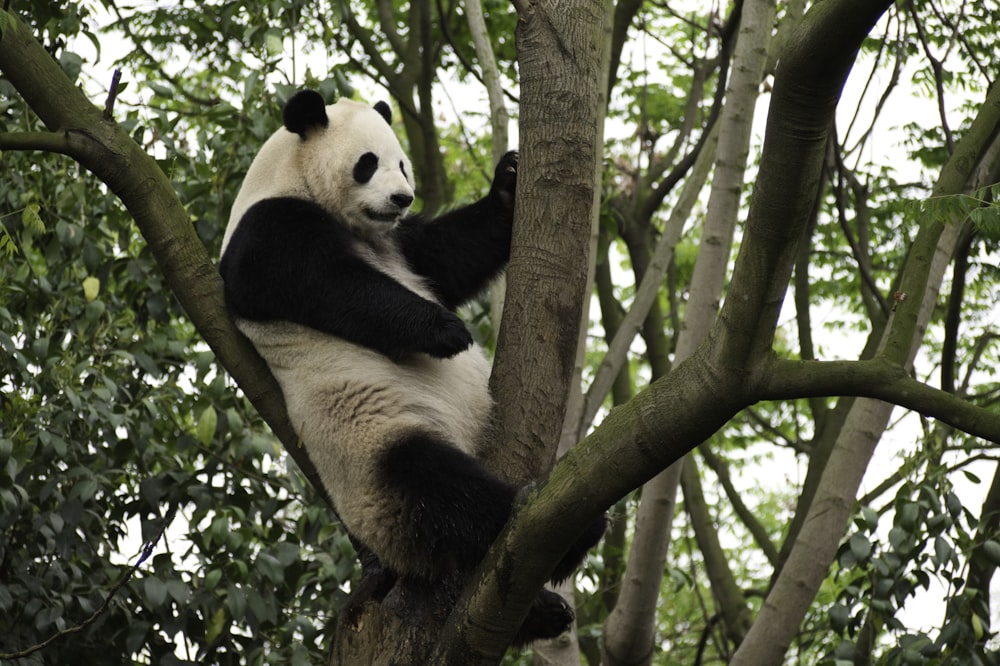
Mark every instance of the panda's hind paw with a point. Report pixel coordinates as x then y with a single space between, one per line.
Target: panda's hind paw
548 617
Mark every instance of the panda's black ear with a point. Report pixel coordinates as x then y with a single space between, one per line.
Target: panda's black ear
304 112
384 111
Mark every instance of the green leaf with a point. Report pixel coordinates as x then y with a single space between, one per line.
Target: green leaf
870 516
977 627
161 89
273 42
839 617
155 589
94 310
31 219
215 625
987 221
907 515
71 64
270 567
6 449
991 549
942 550
178 591
91 288
207 423
212 579
899 539
861 547
236 601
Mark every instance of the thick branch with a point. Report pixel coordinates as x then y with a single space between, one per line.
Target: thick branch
634 442
48 142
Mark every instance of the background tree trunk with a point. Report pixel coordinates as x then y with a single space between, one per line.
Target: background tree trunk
628 633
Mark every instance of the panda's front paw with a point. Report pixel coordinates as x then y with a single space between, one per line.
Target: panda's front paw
448 337
505 180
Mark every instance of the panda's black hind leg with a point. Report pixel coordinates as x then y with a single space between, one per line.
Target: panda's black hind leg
452 504
578 551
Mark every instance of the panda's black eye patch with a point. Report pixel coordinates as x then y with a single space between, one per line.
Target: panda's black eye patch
402 167
365 168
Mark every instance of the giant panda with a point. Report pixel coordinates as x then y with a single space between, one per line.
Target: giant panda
352 305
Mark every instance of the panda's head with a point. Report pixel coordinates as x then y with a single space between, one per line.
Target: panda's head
349 159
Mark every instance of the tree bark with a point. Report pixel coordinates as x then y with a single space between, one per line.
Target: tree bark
730 604
499 118
561 53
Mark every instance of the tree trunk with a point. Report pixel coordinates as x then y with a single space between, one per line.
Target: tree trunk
628 633
561 52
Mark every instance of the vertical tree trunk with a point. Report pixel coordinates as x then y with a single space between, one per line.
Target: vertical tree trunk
628 633
499 120
561 52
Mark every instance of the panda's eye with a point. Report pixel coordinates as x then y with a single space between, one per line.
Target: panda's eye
365 168
402 167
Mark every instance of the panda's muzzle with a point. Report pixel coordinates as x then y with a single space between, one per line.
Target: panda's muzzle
383 216
398 204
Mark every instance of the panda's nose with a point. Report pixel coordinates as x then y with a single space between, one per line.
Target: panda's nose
402 200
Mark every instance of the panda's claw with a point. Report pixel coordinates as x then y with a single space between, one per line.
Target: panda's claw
505 179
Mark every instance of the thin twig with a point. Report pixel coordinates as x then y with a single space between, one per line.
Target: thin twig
109 104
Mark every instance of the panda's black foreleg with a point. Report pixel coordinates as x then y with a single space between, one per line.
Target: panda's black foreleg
453 505
463 249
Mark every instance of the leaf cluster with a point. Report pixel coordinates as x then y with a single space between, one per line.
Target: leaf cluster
117 424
